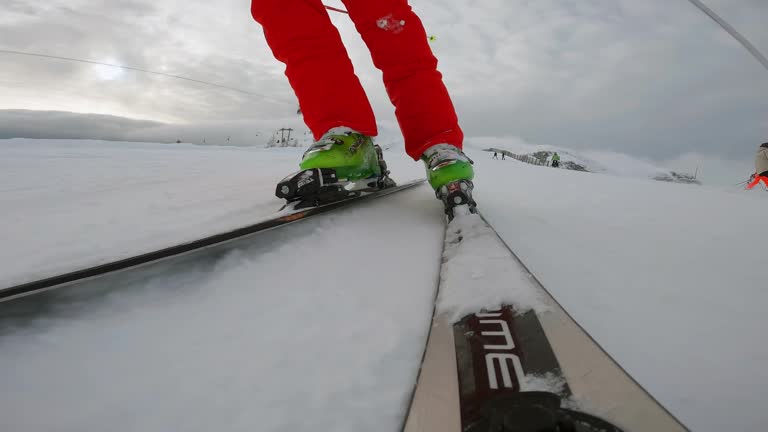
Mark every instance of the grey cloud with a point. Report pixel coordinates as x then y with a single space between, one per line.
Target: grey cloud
54 124
67 125
652 78
158 36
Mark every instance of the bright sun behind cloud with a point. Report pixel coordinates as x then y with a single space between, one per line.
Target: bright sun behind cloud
108 73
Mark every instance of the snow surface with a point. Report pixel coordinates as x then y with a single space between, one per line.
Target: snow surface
69 204
301 330
669 278
596 161
475 257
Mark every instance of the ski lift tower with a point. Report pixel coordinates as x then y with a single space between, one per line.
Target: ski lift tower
282 134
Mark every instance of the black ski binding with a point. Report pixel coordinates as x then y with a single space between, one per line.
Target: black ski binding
455 194
383 181
312 187
318 186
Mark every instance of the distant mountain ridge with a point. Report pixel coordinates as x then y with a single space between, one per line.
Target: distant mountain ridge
612 163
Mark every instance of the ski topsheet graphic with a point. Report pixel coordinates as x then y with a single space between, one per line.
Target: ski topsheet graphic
503 355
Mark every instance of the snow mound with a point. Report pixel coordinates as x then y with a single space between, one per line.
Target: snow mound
596 161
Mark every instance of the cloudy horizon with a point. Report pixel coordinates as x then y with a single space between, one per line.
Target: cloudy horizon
655 79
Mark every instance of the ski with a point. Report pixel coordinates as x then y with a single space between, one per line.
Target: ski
522 365
283 217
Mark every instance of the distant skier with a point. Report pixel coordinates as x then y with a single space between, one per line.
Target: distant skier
761 167
555 160
335 106
495 155
503 156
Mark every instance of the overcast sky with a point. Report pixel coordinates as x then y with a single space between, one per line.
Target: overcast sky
653 78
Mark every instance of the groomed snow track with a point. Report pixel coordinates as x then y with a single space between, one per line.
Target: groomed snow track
185 248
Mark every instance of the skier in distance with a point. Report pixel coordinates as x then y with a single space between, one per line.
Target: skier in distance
761 167
555 160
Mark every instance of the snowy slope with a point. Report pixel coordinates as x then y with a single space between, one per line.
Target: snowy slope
604 162
667 277
69 204
288 333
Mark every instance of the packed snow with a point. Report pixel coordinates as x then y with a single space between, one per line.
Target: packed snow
304 329
68 204
474 256
668 278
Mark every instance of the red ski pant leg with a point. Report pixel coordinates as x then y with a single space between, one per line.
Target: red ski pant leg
755 182
399 48
301 35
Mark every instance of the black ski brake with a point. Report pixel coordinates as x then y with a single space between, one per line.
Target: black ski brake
456 194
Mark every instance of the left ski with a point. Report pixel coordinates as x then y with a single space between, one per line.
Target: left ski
503 355
283 217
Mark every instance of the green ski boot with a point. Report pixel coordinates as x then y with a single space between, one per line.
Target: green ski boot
450 173
351 154
342 164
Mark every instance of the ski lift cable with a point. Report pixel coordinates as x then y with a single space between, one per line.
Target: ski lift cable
732 31
30 54
709 12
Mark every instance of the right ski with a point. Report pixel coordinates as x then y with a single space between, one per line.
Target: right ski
503 355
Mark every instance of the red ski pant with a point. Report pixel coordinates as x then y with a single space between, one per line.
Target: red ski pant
757 181
301 35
